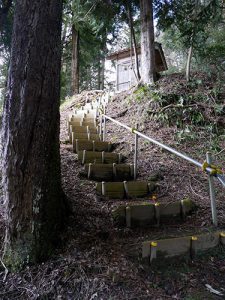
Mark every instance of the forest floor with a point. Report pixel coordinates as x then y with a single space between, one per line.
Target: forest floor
99 260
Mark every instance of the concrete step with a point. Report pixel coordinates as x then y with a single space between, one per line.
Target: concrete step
85 136
86 112
76 119
125 190
81 129
189 246
150 214
78 122
81 145
92 105
90 122
84 129
103 157
109 172
82 121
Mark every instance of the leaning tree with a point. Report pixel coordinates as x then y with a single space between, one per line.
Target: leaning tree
34 202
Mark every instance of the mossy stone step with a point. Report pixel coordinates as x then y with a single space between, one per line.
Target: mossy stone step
81 145
109 172
188 246
98 157
126 189
149 214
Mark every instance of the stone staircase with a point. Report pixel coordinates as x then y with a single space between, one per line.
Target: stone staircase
115 180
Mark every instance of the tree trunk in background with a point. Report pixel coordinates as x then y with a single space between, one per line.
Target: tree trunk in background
148 69
102 74
75 64
101 70
34 202
133 41
188 66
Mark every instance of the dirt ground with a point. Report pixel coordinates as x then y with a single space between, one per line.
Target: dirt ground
97 259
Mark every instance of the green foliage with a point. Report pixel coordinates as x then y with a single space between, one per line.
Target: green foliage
3 75
188 18
186 134
147 92
6 20
94 21
211 56
188 23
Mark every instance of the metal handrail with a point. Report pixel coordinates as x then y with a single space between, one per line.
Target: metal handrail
208 169
182 155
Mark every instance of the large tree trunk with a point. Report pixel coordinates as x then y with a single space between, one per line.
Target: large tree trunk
75 65
31 160
133 42
147 42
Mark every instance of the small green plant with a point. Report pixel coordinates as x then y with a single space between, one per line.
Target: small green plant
186 134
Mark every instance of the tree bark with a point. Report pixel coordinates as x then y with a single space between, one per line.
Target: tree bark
148 69
34 202
188 65
101 68
133 42
75 64
101 74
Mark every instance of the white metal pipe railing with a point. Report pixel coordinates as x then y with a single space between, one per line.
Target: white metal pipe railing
208 169
182 155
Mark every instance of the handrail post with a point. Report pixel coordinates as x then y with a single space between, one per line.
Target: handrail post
100 129
104 118
212 191
135 155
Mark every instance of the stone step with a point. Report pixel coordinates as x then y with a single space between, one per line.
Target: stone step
90 119
150 214
76 119
72 124
82 121
86 112
88 106
90 123
109 172
81 145
85 136
188 246
93 105
84 129
126 189
99 157
81 129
